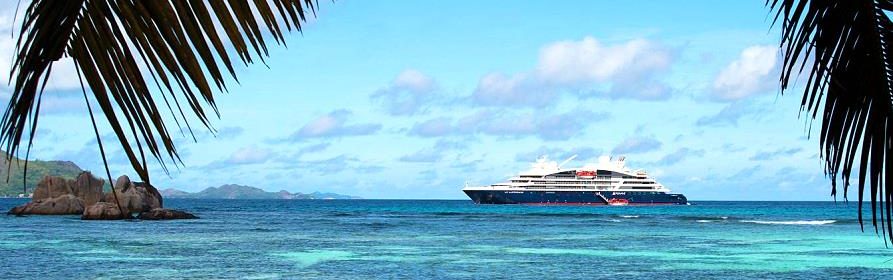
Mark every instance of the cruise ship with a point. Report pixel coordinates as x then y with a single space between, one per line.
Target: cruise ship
607 182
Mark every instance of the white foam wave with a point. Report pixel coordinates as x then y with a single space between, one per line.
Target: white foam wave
629 216
819 222
704 221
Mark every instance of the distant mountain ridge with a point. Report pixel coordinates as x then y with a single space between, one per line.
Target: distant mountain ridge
232 191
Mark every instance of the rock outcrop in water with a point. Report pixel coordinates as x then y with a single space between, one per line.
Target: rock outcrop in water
83 196
102 211
135 197
165 214
88 188
61 205
58 196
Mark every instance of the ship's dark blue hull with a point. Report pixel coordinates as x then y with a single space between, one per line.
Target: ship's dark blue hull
574 197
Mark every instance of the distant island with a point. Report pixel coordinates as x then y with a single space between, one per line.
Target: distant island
232 191
37 169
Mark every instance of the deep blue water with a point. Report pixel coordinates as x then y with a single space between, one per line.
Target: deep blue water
373 239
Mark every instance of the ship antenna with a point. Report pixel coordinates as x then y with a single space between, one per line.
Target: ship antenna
565 161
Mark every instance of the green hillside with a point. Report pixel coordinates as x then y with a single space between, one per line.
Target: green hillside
37 169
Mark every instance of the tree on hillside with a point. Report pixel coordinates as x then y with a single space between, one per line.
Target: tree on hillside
126 50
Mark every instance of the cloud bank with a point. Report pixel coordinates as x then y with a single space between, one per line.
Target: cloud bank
754 72
408 93
505 123
334 124
589 67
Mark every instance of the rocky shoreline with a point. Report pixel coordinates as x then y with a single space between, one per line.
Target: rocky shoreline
84 196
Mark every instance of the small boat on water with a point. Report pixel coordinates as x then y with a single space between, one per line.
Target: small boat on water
607 182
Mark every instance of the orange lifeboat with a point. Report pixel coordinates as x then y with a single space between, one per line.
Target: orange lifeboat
586 174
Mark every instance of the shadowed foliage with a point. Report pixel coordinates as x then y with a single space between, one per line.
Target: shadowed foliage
141 62
843 50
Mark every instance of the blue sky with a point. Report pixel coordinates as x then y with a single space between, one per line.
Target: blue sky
411 99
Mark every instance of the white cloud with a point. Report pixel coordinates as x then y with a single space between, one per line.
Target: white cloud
435 153
249 155
546 126
7 43
680 155
63 75
229 132
433 127
521 89
583 153
731 114
624 70
423 155
407 94
58 97
752 73
334 124
414 80
781 152
313 148
635 145
588 60
330 166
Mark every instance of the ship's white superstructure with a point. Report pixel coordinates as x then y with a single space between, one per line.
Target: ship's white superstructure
606 175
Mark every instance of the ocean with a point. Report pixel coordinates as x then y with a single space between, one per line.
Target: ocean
450 239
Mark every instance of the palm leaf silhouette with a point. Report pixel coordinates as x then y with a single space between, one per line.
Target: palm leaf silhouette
126 50
133 53
843 49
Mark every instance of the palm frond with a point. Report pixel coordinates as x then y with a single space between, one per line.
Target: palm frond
131 52
845 48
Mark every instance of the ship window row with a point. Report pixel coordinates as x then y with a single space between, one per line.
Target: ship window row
566 187
641 182
573 177
553 176
561 177
564 182
589 187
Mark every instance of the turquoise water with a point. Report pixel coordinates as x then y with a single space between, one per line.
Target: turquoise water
373 239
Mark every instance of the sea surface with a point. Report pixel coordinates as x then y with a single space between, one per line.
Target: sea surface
453 239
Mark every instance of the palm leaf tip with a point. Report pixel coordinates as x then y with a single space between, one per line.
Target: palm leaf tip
130 53
844 49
